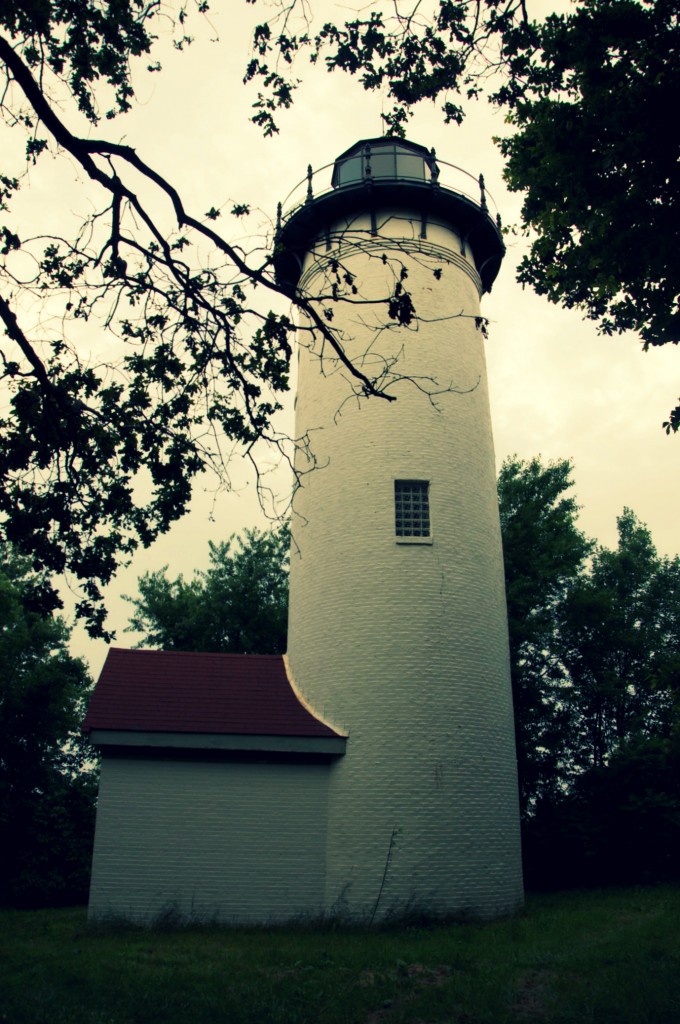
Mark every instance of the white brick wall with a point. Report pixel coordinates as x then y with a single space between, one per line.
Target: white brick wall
232 841
405 647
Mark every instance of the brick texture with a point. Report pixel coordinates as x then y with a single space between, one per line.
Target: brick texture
405 646
209 840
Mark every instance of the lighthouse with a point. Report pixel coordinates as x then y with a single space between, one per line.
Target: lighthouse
397 623
370 773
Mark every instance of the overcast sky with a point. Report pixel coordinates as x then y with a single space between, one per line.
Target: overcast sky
557 388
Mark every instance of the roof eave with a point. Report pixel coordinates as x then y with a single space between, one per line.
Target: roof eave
333 746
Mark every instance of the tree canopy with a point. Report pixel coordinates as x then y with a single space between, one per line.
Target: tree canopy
239 605
46 792
100 453
595 663
620 644
544 553
594 633
594 157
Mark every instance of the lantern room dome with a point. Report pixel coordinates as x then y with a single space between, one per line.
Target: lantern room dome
387 173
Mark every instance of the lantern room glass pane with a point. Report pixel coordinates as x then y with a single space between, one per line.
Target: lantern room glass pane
350 170
383 163
409 165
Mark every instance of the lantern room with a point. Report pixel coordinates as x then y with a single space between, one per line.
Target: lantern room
387 173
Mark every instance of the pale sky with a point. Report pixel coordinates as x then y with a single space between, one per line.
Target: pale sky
557 388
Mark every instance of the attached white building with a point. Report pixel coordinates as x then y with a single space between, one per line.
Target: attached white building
213 791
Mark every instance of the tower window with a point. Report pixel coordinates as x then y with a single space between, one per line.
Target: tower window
411 509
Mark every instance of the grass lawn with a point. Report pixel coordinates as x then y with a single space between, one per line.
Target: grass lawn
572 958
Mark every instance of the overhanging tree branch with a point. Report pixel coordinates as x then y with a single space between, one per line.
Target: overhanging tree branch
198 362
84 149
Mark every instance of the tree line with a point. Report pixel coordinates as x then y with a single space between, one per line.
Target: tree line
595 660
48 779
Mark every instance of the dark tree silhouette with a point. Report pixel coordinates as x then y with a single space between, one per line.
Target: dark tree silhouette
99 457
238 605
544 553
47 777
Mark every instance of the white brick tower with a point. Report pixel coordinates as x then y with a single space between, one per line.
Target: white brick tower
398 628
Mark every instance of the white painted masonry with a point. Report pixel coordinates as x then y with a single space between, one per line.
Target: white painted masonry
404 647
204 840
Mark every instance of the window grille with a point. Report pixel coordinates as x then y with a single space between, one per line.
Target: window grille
412 508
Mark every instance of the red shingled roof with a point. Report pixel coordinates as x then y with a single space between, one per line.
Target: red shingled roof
174 691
